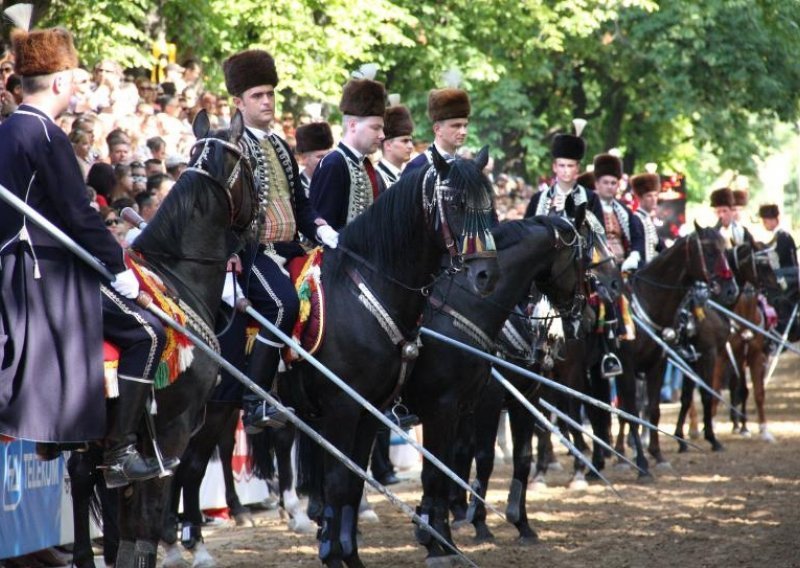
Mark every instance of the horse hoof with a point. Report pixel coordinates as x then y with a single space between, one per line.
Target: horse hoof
173 557
528 540
620 465
664 466
368 516
459 525
537 485
717 447
483 536
555 466
578 485
745 433
443 561
202 559
645 479
694 434
301 524
244 520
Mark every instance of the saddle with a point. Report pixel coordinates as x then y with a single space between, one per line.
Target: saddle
178 351
305 272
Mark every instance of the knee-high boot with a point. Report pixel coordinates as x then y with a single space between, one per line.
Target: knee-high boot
122 461
261 369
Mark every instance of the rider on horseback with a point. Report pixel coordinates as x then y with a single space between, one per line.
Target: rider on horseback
54 317
251 78
646 187
731 230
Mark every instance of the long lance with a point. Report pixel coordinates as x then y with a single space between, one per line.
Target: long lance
774 363
550 383
369 407
683 365
552 428
95 264
750 325
597 439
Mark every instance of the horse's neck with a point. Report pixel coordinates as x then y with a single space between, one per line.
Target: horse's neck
663 285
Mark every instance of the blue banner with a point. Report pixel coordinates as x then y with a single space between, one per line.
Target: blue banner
30 518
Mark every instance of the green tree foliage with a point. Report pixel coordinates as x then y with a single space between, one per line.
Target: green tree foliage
693 86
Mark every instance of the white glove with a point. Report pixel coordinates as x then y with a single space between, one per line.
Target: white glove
231 291
631 263
126 284
328 236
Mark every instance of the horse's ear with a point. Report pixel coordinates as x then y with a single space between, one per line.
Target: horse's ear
482 158
201 125
439 162
237 127
697 227
580 216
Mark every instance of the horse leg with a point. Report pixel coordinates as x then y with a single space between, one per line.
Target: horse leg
487 419
544 451
299 521
578 481
83 476
522 428
463 452
655 380
440 430
599 388
687 393
342 426
626 390
226 444
758 366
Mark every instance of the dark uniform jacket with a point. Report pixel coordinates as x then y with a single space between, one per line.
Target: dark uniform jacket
592 201
51 352
330 186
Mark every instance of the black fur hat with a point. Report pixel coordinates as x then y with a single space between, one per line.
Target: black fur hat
722 197
397 122
740 198
568 146
769 211
363 97
586 180
645 183
313 137
447 103
607 165
248 69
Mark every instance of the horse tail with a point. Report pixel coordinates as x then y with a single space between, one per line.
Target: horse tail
261 448
309 466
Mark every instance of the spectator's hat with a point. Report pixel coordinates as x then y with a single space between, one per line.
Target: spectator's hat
770 211
645 183
313 137
607 165
39 52
363 95
569 146
722 197
248 69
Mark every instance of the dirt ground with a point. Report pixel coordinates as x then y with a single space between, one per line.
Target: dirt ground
740 507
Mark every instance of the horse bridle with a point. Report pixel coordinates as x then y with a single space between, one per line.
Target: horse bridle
224 183
577 246
433 211
721 271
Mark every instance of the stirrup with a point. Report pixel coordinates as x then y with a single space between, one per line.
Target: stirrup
126 465
264 415
610 366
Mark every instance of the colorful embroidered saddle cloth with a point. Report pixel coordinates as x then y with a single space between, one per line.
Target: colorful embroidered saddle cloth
309 330
178 352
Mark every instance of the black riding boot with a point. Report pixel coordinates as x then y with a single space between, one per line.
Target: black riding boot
261 369
122 462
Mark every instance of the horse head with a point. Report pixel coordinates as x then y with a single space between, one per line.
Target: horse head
221 156
564 285
707 262
459 204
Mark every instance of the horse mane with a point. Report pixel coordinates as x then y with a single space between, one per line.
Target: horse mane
383 231
509 233
164 232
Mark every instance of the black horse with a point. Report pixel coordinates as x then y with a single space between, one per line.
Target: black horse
445 382
668 295
376 285
205 217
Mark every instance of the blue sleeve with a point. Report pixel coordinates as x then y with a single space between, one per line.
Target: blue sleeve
329 191
415 164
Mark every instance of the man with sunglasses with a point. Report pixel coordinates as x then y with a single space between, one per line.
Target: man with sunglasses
54 311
